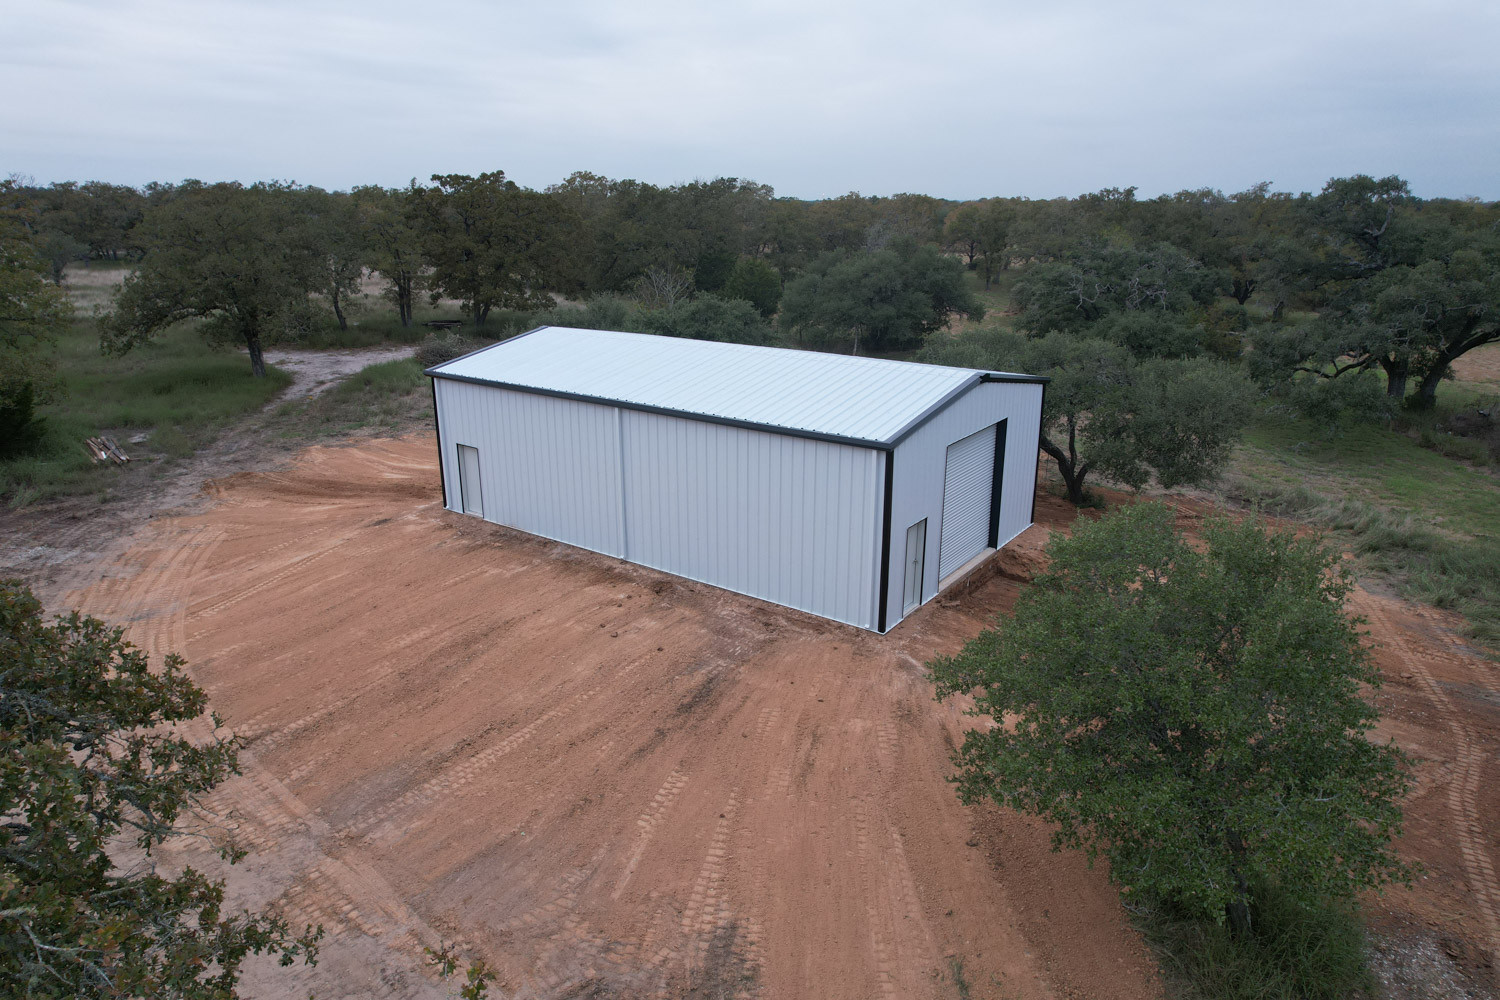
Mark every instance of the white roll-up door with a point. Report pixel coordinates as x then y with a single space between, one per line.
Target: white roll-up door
968 482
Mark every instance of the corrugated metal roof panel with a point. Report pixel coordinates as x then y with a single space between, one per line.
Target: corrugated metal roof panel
834 395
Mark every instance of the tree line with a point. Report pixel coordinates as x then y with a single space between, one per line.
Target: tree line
1158 318
1399 285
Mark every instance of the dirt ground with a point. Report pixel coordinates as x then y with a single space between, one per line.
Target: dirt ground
1480 366
609 782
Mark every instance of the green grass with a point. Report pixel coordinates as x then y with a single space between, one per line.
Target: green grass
382 398
1421 516
1292 953
1379 466
995 299
177 391
379 331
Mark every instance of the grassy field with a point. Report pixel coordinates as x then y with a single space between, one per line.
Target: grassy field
161 401
384 398
1414 508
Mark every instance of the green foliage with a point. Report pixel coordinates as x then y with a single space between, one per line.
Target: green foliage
1151 334
1100 279
176 385
884 301
757 282
491 243
1293 952
1172 421
334 220
708 317
20 428
32 311
89 753
981 232
1337 404
236 257
390 232
477 975
712 270
1193 714
1398 287
604 312
388 397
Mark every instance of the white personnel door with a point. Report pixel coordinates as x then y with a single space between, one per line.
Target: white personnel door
916 559
968 484
470 494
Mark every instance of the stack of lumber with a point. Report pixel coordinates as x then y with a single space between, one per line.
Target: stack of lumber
104 449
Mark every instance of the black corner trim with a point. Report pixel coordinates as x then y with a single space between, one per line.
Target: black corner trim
437 426
885 538
997 483
1036 479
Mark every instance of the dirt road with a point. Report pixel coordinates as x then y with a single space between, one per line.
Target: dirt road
602 780
58 546
608 782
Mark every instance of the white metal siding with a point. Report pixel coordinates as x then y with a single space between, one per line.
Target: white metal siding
548 466
787 519
917 486
968 488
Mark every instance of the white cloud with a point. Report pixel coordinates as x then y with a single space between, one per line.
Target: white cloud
958 99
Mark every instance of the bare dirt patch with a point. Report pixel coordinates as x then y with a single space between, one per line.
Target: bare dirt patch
610 782
1480 366
314 372
603 780
56 545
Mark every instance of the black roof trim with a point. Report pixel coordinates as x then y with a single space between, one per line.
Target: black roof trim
888 445
481 350
980 379
1014 377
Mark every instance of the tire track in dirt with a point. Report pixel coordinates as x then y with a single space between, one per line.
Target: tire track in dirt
882 935
295 566
1463 784
603 781
254 809
382 824
649 821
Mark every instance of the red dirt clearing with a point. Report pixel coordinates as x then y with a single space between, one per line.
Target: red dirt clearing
608 782
602 780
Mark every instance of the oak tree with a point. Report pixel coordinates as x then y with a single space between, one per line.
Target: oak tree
234 256
1193 713
94 775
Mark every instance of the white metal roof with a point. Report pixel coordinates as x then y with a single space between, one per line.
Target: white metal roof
826 395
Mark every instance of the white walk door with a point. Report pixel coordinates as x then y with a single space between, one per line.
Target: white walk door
968 482
916 559
468 480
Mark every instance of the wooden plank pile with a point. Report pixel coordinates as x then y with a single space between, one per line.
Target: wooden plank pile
104 449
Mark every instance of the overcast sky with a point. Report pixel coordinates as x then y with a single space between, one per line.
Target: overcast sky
954 99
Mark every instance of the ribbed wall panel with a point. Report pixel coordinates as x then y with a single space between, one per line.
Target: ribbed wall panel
787 519
548 466
917 486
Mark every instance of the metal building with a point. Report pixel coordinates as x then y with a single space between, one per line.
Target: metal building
853 488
